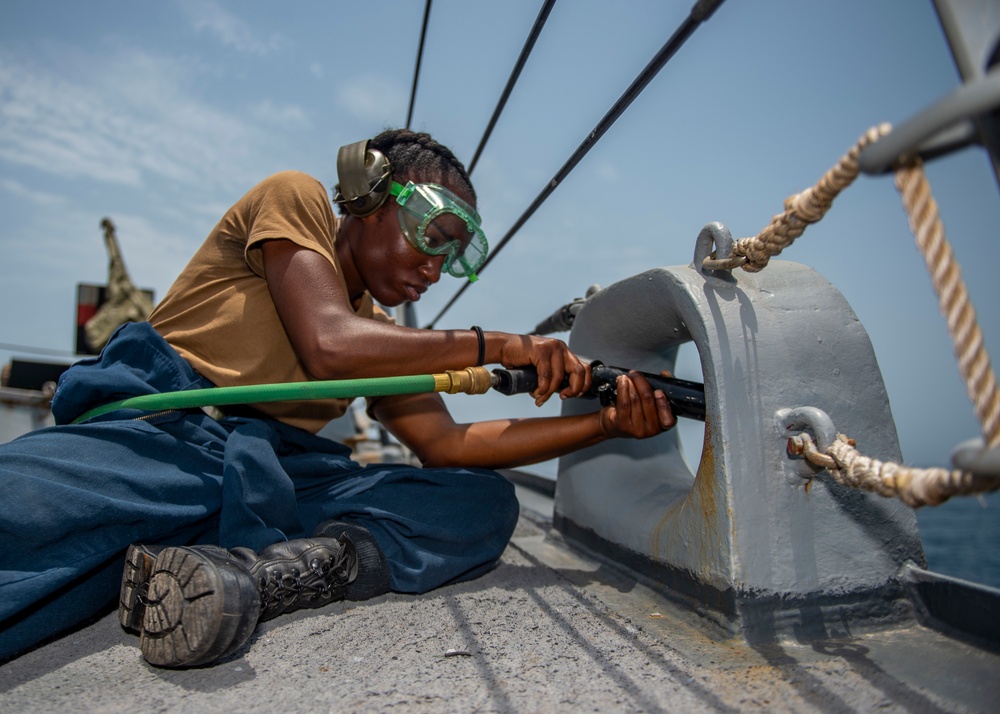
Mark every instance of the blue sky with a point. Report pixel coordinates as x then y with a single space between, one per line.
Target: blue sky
160 115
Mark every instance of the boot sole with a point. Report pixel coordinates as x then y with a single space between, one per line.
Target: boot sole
191 612
139 562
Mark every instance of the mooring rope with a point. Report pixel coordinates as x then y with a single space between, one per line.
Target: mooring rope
753 254
914 486
953 297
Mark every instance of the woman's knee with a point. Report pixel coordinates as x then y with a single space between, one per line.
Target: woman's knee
498 501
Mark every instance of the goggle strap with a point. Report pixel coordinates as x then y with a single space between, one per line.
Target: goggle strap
402 192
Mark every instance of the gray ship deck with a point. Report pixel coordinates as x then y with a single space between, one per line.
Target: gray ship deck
550 629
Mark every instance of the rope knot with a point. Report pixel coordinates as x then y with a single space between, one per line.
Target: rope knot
914 486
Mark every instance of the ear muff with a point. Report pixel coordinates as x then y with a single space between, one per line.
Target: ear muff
365 177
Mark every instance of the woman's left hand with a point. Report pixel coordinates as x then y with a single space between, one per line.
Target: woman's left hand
638 412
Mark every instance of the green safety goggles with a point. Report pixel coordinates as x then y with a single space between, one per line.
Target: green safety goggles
437 222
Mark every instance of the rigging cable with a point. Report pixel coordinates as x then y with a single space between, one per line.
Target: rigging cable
407 308
701 12
36 350
536 30
420 56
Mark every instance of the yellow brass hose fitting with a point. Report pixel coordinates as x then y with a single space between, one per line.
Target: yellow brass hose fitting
471 380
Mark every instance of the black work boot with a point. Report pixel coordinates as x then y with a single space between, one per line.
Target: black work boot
139 561
190 606
195 605
298 574
373 570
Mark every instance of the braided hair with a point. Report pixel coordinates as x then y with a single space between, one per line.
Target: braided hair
415 154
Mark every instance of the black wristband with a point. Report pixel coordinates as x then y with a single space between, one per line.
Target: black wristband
482 345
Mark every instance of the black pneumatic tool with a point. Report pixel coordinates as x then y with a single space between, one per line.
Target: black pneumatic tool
686 399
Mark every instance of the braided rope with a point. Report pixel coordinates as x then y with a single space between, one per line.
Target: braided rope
953 298
914 486
754 253
804 208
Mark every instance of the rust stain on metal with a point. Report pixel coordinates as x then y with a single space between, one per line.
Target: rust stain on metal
704 482
702 493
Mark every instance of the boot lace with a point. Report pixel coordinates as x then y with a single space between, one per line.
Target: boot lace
279 588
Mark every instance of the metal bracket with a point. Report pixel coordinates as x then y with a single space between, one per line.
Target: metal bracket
819 425
942 127
718 262
974 457
970 114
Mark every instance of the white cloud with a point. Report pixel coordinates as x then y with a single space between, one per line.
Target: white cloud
40 198
317 71
50 125
372 98
608 173
230 30
287 116
130 118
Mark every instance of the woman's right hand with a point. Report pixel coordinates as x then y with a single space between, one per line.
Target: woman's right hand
553 362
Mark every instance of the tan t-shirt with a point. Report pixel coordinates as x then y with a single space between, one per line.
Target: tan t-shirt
218 314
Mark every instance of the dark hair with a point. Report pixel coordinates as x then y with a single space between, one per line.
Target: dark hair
415 154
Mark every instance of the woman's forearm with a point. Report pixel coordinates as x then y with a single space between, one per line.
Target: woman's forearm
506 443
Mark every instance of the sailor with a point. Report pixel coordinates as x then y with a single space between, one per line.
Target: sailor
228 520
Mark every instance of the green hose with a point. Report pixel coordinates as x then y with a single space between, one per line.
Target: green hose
255 394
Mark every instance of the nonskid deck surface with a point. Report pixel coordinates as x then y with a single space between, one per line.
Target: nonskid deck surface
549 629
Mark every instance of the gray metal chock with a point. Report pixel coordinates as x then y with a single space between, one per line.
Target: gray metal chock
768 545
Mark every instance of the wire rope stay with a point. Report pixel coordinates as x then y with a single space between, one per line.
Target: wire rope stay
420 57
529 44
700 13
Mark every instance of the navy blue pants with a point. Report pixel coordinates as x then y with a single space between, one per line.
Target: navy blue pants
75 496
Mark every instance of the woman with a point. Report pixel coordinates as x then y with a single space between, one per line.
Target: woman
251 513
